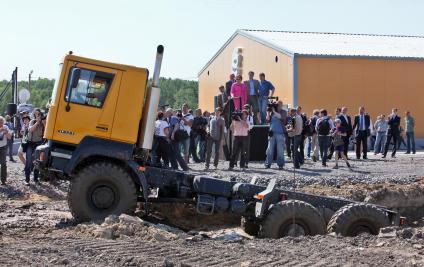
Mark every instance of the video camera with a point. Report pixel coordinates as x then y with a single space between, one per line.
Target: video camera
272 103
236 116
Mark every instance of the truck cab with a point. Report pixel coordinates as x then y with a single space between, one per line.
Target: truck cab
99 131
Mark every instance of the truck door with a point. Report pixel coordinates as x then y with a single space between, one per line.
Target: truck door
87 105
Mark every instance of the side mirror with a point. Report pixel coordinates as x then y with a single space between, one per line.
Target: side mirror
74 79
75 76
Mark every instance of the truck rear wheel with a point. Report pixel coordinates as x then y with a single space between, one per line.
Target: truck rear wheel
99 190
357 218
292 218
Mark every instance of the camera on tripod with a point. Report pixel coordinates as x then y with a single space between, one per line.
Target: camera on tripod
272 103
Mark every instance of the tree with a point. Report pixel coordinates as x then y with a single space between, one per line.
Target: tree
174 92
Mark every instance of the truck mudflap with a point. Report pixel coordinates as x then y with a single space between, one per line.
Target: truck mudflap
139 171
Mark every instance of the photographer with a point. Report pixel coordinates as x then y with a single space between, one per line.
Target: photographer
240 129
178 135
5 134
294 131
250 121
34 139
186 121
276 135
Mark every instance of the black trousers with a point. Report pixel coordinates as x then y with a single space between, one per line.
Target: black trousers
3 151
289 141
346 144
193 148
239 148
361 138
163 151
302 147
395 135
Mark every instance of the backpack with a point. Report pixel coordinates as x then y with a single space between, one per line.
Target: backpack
309 128
324 127
181 134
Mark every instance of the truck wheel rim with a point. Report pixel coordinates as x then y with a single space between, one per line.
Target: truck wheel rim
293 229
103 197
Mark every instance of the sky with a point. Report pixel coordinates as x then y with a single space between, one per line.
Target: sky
36 35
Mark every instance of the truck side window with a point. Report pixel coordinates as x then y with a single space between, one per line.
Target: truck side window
92 88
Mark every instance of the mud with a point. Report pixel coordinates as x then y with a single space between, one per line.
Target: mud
36 227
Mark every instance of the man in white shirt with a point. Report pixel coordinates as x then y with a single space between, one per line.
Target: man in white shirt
5 134
186 123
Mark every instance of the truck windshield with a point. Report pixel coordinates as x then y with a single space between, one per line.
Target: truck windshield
56 84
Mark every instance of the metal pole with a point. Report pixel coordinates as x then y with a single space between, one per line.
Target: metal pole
13 87
29 80
15 96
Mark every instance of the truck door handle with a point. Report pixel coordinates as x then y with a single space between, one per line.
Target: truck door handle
103 128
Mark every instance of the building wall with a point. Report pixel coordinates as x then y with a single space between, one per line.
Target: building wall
256 57
376 84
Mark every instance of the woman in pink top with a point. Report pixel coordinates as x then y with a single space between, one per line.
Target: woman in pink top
240 129
239 93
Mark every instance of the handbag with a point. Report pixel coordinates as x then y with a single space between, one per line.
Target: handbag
338 141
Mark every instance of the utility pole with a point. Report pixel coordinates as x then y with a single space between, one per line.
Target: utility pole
15 97
15 86
29 80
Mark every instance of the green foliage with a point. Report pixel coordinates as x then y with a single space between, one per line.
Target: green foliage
174 92
41 91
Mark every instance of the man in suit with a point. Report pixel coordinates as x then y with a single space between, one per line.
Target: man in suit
362 125
347 124
222 97
392 132
230 83
252 86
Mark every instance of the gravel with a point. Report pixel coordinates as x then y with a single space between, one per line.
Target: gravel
405 169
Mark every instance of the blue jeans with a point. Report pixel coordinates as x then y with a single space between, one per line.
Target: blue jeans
309 149
275 140
379 142
324 144
410 141
263 104
29 163
201 143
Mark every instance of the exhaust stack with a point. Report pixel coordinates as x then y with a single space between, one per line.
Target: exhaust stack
147 129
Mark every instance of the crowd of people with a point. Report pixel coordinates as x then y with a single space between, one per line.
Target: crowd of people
184 133
30 128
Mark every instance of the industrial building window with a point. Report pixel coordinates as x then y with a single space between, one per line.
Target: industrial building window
91 88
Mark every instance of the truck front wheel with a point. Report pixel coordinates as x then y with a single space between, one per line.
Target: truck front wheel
99 190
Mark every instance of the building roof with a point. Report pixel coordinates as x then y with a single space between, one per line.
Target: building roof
335 44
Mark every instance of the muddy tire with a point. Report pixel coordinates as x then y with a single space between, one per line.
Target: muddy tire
99 190
292 218
249 227
357 218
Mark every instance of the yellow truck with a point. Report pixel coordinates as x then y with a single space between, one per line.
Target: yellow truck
99 132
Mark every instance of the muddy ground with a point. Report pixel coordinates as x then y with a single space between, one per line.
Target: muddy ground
36 227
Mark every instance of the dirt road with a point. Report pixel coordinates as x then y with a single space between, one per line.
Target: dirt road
36 227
